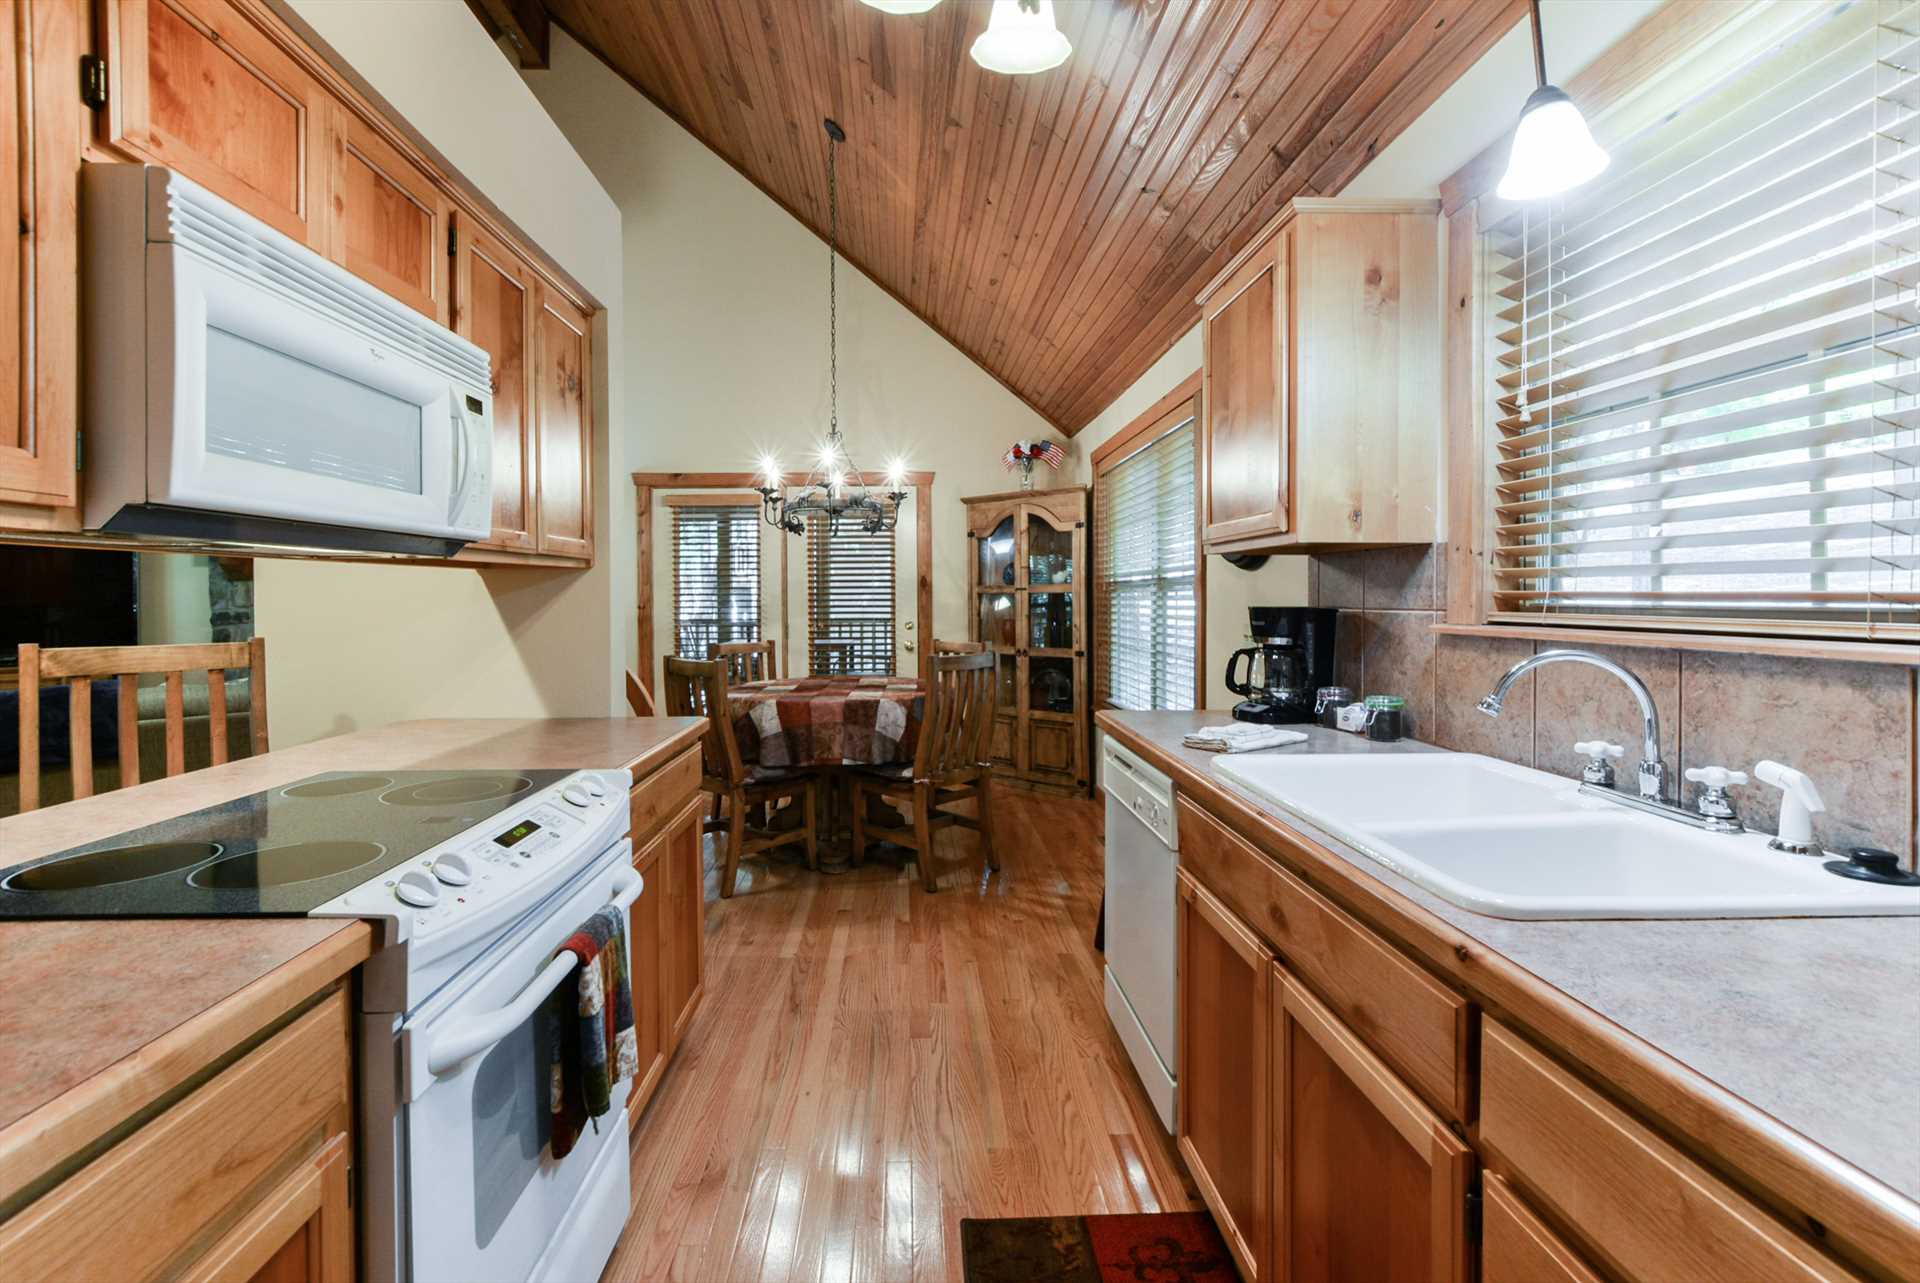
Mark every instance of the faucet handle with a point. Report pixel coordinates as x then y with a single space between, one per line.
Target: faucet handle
1600 754
1713 802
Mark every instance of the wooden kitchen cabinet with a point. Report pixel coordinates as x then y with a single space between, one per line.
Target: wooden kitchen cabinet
1223 1061
388 224
667 924
563 422
197 86
494 293
683 913
1029 580
302 1232
1321 374
1368 1183
645 923
40 130
1517 1247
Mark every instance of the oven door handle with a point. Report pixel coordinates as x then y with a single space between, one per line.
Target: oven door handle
448 1049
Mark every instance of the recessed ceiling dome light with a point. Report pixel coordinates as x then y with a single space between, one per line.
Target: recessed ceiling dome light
1021 39
901 6
1553 151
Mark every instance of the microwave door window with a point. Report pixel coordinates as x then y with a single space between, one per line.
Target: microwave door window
269 408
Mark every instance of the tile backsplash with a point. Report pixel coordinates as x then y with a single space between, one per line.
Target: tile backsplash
1852 727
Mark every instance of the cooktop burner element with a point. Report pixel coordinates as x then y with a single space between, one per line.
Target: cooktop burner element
452 791
283 852
336 785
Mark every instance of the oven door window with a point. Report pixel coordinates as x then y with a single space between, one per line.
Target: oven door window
510 1124
266 407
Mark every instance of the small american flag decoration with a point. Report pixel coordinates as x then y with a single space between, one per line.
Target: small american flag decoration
1024 454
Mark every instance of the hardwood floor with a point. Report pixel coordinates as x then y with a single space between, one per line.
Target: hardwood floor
872 1063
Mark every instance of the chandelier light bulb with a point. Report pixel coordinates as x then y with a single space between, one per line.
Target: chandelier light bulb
1021 39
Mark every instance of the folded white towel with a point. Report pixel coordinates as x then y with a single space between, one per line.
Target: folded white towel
1242 737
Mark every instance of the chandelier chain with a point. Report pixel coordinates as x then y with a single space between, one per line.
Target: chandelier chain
833 302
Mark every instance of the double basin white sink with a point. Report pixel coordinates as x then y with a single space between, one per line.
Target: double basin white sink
1513 842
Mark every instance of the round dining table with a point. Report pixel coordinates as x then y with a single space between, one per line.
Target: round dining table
828 724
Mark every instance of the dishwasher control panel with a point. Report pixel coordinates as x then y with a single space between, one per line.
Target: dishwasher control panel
1140 789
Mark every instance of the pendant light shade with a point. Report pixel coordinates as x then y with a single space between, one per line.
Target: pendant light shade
1021 39
1553 151
901 6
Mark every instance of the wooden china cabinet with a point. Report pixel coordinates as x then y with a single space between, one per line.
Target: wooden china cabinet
1029 570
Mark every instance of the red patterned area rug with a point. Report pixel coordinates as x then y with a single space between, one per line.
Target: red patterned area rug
1164 1247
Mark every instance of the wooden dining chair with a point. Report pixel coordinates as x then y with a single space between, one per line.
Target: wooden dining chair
77 666
698 688
950 765
958 647
746 661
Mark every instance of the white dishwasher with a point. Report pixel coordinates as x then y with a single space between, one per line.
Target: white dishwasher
1141 847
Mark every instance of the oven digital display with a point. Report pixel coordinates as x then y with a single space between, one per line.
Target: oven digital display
513 836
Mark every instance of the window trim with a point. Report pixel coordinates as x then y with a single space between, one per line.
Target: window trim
1163 416
1630 84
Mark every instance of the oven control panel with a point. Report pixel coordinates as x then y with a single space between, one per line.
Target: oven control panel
495 870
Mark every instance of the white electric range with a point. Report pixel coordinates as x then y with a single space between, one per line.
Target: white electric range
473 880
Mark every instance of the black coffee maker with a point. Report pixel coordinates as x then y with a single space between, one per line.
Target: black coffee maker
1291 658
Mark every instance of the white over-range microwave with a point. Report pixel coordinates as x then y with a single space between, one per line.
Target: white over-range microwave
241 388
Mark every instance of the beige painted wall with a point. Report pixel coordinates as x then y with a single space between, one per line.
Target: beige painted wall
360 645
726 350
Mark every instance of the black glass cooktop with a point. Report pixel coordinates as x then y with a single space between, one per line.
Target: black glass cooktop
285 851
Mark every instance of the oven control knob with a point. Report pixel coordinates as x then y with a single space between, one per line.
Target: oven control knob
418 888
453 869
575 794
595 789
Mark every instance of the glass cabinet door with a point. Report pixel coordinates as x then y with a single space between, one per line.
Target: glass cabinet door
998 614
995 554
1050 620
1049 552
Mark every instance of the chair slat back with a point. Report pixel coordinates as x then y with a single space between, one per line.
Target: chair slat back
958 647
698 688
953 736
746 661
77 666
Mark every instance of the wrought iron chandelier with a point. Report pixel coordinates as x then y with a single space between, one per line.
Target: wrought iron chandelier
835 490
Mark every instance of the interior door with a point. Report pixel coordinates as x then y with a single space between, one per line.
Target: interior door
39 144
1244 441
1221 1110
564 418
390 220
494 309
1368 1183
197 87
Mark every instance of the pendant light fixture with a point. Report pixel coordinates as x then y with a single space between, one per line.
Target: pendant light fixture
901 6
1553 151
834 488
1021 39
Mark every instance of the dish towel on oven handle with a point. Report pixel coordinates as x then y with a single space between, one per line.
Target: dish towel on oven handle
590 1029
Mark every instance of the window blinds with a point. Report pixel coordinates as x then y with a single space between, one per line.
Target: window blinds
849 600
1144 561
716 577
1705 360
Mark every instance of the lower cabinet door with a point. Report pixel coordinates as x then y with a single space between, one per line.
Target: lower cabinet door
1516 1247
1224 976
302 1232
644 925
683 917
1368 1183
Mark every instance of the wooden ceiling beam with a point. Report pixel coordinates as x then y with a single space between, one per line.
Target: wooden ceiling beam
523 23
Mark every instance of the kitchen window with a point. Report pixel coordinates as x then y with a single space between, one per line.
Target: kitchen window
1703 375
1146 565
716 572
850 583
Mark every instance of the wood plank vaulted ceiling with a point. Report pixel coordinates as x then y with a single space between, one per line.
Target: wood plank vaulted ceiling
1054 227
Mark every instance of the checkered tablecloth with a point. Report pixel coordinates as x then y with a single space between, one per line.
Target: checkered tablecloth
828 721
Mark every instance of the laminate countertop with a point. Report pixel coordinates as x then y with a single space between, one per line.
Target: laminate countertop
100 1018
1813 1022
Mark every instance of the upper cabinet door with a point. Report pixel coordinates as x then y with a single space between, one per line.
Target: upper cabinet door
39 274
198 88
494 309
563 404
389 224
1245 338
